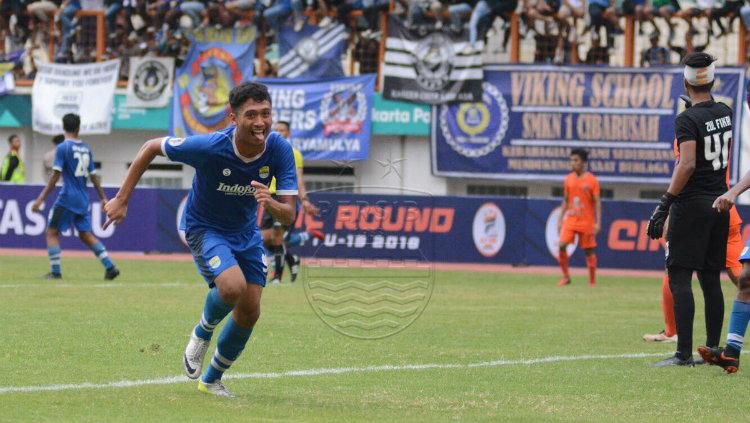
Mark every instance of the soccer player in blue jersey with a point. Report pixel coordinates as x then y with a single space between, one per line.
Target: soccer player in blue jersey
233 168
73 160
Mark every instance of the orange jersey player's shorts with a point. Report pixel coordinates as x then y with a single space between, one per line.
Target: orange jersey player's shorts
734 248
586 239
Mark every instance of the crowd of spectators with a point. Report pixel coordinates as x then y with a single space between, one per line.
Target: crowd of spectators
34 31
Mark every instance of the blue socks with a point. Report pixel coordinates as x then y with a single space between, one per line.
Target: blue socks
101 253
54 259
737 326
294 239
213 312
231 343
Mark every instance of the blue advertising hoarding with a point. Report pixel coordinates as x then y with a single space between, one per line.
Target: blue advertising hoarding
531 117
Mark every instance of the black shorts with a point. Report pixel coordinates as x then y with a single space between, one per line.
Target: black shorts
697 236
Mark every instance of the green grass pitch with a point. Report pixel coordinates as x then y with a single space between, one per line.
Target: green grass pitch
83 330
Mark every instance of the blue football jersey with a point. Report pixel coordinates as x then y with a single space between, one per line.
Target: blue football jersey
74 160
221 197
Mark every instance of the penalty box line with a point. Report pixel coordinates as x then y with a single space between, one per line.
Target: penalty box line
323 372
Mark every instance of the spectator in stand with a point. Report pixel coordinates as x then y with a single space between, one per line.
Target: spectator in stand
370 10
458 11
43 10
603 14
279 11
113 8
484 15
598 54
69 24
194 9
49 156
655 55
367 53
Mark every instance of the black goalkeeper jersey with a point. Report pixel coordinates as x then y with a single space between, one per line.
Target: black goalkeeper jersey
709 124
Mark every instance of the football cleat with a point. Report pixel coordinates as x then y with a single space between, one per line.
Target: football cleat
195 351
217 388
659 337
111 273
564 281
276 281
675 361
719 357
294 267
51 275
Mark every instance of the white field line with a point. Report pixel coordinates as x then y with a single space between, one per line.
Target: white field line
98 285
325 371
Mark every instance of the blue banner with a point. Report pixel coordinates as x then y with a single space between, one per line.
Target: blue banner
218 60
311 52
531 117
329 118
413 227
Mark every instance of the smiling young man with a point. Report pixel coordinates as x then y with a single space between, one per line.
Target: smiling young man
233 168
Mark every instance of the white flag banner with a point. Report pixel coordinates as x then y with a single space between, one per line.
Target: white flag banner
150 81
87 90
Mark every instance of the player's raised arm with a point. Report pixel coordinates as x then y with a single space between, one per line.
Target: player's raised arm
117 208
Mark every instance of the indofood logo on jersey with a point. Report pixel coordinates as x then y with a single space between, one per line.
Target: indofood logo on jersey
151 80
434 55
206 90
488 229
476 129
343 110
236 189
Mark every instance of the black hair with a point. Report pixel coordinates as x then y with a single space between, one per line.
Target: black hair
71 123
285 123
57 139
700 60
248 90
10 138
583 154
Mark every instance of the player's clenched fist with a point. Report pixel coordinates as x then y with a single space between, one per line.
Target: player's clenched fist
116 210
262 194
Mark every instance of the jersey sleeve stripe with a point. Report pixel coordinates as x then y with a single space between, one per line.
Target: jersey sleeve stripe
57 168
163 150
287 192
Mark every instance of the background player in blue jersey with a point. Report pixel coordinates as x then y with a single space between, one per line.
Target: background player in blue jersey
233 168
73 160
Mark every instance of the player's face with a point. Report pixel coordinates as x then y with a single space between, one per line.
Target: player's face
253 120
282 129
576 164
15 143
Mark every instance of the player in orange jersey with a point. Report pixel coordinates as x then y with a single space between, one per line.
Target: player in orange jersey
581 214
734 267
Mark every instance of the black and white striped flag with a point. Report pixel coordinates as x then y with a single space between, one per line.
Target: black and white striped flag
434 69
312 52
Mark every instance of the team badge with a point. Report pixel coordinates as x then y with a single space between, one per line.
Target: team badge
476 129
215 262
151 80
343 110
488 229
308 50
226 172
434 57
264 172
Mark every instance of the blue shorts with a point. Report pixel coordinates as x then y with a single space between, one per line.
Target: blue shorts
214 253
62 219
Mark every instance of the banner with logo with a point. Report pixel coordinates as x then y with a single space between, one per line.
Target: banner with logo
218 60
86 90
434 69
330 118
150 81
312 52
531 117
